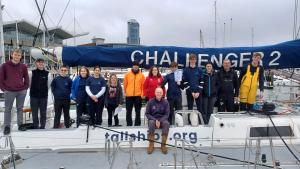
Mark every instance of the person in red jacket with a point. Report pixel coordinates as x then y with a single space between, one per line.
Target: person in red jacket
153 81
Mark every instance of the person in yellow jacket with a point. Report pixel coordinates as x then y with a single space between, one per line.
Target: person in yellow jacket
133 87
251 77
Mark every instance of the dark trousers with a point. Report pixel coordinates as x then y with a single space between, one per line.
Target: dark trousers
190 102
38 104
111 110
246 106
59 106
135 101
175 104
226 104
82 108
96 109
208 107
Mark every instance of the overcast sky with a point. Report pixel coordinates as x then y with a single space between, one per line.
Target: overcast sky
166 22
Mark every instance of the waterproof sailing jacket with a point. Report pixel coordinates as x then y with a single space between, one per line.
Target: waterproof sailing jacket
133 84
150 84
210 86
228 83
249 83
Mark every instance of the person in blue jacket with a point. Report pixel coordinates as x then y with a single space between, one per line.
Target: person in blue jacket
61 89
173 92
210 89
79 94
95 88
192 81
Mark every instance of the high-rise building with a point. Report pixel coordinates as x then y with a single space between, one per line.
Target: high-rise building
133 32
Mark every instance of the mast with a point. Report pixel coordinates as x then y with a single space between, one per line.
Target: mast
74 39
215 23
224 34
295 20
201 39
230 33
17 34
252 36
2 52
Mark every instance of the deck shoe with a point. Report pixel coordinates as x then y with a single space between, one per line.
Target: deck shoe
22 128
6 130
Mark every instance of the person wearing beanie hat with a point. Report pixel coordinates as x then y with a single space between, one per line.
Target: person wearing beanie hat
133 87
135 63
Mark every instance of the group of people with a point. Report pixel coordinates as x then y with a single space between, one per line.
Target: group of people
206 87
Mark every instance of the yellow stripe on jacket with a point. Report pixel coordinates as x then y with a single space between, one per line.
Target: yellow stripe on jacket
248 87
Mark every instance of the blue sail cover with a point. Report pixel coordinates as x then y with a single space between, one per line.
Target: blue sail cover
282 55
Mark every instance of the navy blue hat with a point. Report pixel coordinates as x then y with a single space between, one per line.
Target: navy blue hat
135 63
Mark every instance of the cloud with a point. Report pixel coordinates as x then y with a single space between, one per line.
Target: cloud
168 22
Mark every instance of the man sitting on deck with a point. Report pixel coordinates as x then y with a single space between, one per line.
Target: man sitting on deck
157 113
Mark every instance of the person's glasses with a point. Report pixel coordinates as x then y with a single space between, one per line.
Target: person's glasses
63 70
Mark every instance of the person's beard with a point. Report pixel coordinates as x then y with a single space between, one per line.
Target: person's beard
135 71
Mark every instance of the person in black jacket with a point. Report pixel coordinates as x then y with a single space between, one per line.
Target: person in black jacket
210 88
39 84
228 90
61 89
113 98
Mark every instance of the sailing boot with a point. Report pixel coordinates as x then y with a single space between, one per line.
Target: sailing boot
164 148
150 148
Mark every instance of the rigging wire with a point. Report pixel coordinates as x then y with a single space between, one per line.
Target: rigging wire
42 17
283 140
37 29
61 17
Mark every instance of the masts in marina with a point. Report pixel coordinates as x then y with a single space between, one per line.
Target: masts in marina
2 53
